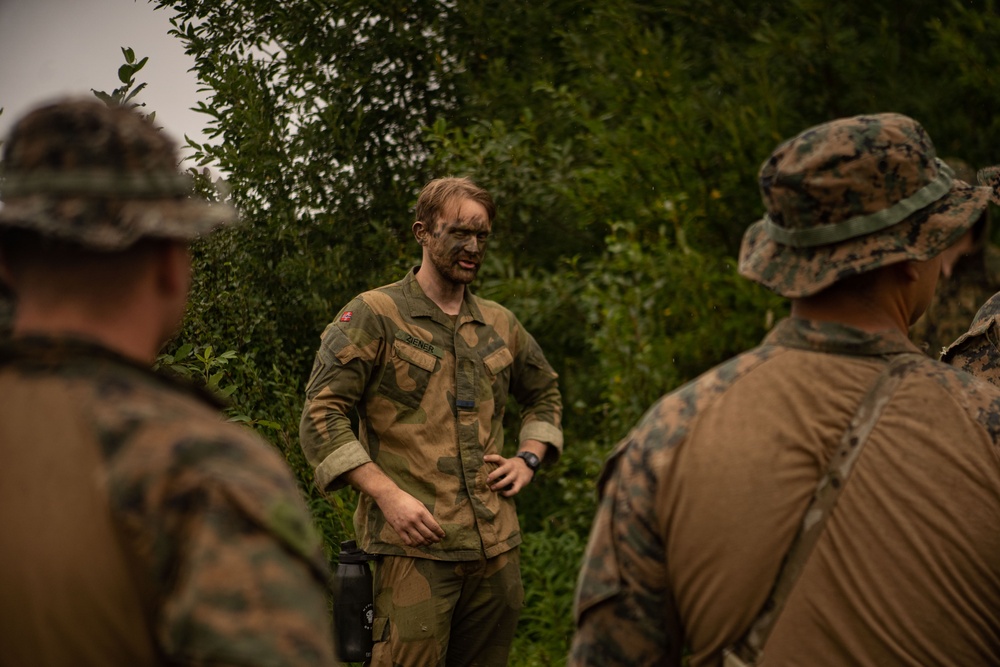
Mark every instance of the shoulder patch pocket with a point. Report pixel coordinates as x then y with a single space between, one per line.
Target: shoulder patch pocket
498 360
337 348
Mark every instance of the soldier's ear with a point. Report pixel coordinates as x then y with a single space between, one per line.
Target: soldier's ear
420 232
173 267
910 270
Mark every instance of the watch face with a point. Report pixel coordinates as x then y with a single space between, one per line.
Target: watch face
529 458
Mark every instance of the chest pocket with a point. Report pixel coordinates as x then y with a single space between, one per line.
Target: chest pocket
407 374
498 366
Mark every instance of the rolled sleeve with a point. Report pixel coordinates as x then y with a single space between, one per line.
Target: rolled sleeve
543 432
345 458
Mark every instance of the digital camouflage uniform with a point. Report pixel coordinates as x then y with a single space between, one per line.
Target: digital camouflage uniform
141 529
974 279
700 503
137 527
977 351
431 395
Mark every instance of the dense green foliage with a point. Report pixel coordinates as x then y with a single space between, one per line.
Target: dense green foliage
621 141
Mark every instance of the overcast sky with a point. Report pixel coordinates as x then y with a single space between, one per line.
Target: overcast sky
51 48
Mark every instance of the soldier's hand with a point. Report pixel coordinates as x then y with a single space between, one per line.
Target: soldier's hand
511 475
410 519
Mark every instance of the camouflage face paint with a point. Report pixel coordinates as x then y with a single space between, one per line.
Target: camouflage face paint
457 244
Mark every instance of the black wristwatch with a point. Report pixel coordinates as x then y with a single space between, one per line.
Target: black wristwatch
531 459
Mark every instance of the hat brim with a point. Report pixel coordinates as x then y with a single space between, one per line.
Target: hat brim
800 272
108 224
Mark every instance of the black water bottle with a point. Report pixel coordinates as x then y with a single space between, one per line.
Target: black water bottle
353 607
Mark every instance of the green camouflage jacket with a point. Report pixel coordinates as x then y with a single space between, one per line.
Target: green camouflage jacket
139 528
700 503
431 395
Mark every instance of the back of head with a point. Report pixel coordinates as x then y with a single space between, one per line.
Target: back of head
851 196
98 176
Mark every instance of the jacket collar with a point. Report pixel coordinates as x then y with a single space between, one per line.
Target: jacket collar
836 338
420 305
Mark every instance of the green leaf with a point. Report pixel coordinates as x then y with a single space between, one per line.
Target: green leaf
183 351
125 73
103 96
135 91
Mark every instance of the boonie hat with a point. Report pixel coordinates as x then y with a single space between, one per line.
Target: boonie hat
850 196
103 177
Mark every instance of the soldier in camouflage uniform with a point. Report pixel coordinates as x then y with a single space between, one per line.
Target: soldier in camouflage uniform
970 274
136 526
701 501
428 366
977 351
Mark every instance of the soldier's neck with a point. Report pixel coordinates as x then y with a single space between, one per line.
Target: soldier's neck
858 315
121 335
446 294
869 307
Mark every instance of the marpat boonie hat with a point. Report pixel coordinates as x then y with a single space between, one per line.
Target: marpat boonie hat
103 177
850 196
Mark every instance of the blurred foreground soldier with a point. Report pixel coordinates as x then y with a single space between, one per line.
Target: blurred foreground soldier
970 274
428 366
136 526
898 562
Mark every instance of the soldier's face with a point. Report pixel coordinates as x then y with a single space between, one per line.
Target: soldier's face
456 245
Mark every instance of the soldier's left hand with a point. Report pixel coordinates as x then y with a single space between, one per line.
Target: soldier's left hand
510 476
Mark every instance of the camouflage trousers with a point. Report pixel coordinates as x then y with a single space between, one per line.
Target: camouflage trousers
446 613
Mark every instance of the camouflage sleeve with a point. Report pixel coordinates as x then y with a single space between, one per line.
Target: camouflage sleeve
344 365
977 352
535 386
236 568
625 612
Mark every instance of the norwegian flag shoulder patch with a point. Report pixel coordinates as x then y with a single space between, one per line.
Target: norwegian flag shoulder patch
346 317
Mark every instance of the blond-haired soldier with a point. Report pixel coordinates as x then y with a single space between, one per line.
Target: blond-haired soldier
428 367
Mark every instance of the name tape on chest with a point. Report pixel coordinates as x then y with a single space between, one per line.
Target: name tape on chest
410 339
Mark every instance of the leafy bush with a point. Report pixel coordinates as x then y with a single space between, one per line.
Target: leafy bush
620 140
